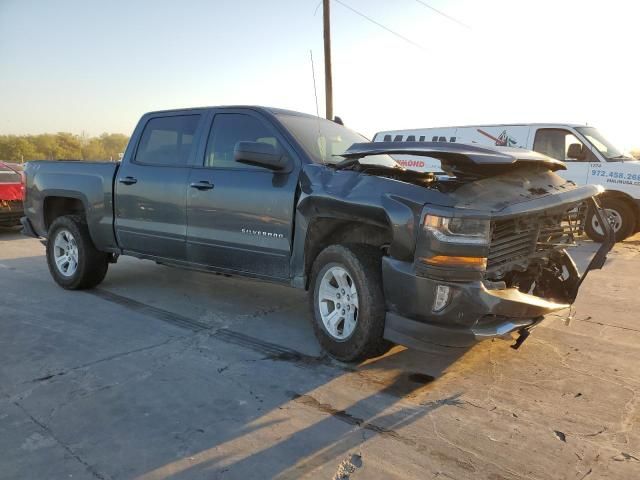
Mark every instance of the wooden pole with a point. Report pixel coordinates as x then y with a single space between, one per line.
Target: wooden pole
328 79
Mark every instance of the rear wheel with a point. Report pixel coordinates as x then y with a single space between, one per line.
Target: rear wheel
74 261
347 302
620 216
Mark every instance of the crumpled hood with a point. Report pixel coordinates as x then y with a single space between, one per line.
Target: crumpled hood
459 159
520 191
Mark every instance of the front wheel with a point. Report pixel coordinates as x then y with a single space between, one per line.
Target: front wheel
620 216
74 261
347 302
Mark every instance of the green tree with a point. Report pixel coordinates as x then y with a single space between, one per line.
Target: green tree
62 145
94 150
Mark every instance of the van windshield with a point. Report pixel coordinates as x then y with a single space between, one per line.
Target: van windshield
601 144
324 141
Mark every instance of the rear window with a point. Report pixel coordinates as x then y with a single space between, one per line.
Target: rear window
7 175
167 141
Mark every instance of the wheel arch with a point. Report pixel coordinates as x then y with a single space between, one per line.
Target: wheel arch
325 230
54 206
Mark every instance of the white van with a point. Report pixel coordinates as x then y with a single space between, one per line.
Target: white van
589 156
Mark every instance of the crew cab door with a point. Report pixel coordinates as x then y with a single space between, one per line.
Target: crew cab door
151 187
240 217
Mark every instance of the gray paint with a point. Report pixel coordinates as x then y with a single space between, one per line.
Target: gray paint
255 221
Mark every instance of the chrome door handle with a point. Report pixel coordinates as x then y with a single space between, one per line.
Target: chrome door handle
204 185
128 180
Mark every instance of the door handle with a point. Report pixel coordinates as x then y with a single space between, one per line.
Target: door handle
128 180
204 185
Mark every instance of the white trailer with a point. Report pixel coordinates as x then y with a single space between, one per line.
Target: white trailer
589 156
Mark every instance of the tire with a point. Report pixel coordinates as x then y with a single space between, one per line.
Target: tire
90 264
620 211
361 263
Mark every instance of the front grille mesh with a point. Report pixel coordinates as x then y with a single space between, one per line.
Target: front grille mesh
518 238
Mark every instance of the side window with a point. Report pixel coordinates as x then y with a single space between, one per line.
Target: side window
398 138
167 140
422 138
227 130
556 143
387 138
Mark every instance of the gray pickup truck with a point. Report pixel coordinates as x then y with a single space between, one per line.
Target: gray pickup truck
388 255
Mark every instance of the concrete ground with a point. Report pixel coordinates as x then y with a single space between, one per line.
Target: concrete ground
166 373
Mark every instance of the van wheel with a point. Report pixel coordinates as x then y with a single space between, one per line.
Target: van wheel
620 215
347 302
74 261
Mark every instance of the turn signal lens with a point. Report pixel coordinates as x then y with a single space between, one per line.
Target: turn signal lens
477 263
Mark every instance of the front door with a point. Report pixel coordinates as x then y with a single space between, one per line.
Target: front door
556 143
240 217
151 188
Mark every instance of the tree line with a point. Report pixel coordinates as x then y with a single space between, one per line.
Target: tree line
62 146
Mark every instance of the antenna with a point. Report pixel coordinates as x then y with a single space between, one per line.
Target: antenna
315 90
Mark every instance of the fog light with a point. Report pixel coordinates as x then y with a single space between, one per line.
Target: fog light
443 294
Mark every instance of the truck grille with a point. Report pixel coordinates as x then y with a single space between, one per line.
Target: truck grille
532 236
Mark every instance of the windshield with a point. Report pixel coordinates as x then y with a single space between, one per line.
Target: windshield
325 141
601 143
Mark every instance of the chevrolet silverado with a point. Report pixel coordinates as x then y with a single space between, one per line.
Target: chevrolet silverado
387 254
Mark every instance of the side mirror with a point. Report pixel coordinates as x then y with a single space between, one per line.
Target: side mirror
261 154
576 151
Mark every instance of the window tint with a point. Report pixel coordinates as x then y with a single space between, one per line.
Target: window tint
398 138
167 140
411 138
8 175
555 143
387 138
230 128
422 138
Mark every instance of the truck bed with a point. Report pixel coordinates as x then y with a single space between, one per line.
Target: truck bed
90 183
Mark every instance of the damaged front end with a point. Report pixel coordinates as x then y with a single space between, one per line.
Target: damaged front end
493 260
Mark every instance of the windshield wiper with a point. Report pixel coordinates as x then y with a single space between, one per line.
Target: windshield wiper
344 164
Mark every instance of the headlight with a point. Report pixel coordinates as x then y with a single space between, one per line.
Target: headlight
459 230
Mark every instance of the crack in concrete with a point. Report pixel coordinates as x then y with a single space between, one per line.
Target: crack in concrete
385 432
95 473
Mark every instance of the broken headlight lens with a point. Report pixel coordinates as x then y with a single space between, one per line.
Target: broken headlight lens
471 231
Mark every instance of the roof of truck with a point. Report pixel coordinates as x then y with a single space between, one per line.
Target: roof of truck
272 110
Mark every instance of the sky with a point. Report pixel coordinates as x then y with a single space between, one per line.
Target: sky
96 66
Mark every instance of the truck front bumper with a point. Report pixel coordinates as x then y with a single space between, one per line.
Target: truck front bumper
473 312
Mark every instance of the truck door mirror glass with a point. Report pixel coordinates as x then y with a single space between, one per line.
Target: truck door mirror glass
576 151
261 154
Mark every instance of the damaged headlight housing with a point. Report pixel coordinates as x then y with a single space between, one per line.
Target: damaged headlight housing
469 231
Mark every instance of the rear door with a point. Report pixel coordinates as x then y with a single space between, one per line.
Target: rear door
151 187
240 217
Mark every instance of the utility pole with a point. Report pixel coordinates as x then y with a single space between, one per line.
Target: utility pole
328 80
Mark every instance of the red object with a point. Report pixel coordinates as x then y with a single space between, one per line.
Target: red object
10 191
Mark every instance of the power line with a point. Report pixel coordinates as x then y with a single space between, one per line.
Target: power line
381 25
439 12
